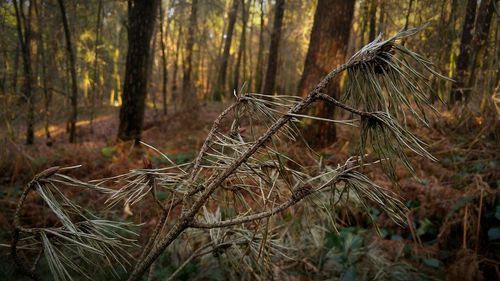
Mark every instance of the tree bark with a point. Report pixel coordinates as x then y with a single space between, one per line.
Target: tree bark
272 63
224 60
189 95
241 48
96 66
327 49
141 20
45 80
260 55
24 36
176 67
151 63
163 59
457 90
381 18
480 38
72 66
373 19
407 19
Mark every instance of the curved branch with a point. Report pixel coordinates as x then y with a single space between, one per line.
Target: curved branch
296 197
335 102
17 224
213 130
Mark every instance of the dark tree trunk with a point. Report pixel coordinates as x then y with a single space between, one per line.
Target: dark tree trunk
481 32
407 19
241 48
327 49
189 97
24 36
96 66
224 60
457 90
141 20
163 34
272 63
72 68
373 19
260 55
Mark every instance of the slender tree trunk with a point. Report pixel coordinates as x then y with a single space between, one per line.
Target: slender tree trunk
176 67
364 11
381 18
72 68
224 60
141 21
163 34
241 48
96 66
3 80
260 55
407 19
16 68
480 38
272 63
451 37
327 49
189 95
373 19
457 91
151 63
24 36
45 81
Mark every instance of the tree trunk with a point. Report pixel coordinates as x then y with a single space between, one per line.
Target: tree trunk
272 63
24 36
96 66
151 63
176 67
260 55
373 19
141 20
457 90
16 68
241 48
163 59
481 32
72 68
381 18
327 49
407 19
45 81
224 60
364 11
189 95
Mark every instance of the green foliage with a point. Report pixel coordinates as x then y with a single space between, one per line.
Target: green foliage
108 151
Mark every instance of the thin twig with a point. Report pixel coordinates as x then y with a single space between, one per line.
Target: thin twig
186 219
296 197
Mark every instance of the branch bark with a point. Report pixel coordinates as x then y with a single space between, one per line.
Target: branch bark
186 219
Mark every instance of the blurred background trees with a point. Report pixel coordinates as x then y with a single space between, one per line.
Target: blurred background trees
75 58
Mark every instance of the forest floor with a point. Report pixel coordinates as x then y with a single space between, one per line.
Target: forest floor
454 222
